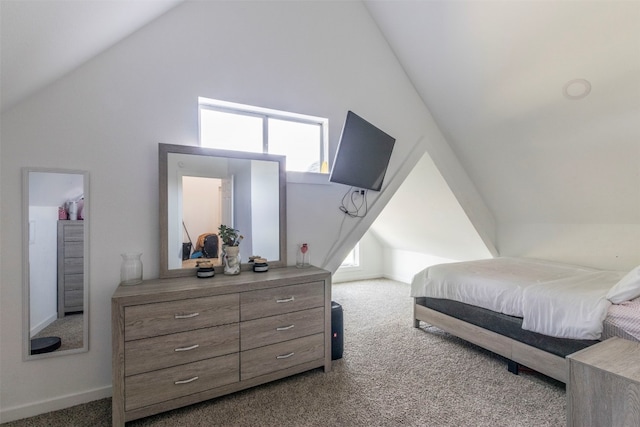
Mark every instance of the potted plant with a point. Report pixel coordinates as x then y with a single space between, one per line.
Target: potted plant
228 235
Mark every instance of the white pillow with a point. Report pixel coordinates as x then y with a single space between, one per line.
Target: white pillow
627 288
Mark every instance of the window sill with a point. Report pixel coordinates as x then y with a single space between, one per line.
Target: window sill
345 268
307 178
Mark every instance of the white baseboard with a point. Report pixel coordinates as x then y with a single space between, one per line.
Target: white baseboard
397 278
345 277
54 404
46 322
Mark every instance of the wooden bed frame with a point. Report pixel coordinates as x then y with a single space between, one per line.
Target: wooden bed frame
526 355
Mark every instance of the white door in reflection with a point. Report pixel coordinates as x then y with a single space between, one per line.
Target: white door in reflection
202 211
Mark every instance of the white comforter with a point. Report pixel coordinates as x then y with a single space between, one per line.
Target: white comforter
554 299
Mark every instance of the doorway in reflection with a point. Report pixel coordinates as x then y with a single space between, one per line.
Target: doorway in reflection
203 207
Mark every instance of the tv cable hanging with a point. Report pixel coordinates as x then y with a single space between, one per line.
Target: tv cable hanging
353 201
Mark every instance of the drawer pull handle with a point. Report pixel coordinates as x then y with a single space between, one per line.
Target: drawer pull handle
285 328
187 348
285 356
190 380
186 316
285 300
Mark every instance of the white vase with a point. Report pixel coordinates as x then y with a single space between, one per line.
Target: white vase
231 260
131 269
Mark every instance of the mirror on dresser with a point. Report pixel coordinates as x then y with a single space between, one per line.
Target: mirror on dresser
55 262
202 188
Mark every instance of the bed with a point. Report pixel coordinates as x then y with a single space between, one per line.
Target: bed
532 312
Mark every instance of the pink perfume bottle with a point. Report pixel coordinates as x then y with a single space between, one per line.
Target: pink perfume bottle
303 256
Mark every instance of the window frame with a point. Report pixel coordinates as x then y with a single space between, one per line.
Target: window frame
356 258
265 114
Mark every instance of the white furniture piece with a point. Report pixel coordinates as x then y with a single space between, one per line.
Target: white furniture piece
70 267
183 340
604 385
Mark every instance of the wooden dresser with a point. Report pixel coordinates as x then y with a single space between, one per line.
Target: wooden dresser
604 385
180 341
70 267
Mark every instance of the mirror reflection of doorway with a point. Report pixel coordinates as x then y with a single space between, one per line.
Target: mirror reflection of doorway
202 213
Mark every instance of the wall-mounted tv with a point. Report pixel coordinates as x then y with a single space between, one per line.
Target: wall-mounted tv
363 154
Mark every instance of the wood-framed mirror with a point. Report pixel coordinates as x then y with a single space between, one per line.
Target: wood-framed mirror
202 188
55 242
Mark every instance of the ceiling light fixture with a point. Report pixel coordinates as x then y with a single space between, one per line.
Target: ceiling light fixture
576 89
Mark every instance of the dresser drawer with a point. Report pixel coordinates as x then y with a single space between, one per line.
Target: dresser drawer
166 384
275 329
275 357
73 282
284 299
149 320
74 265
73 300
180 348
73 249
73 233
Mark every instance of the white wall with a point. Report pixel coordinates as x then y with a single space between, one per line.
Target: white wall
425 217
43 269
265 213
371 262
608 246
402 265
107 117
379 260
200 206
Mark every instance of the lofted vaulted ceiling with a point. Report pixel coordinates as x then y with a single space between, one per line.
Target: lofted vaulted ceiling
501 78
43 40
493 74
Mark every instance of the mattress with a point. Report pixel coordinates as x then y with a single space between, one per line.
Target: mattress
497 284
554 299
509 326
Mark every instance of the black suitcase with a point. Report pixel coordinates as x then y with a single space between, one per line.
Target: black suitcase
337 339
210 246
186 251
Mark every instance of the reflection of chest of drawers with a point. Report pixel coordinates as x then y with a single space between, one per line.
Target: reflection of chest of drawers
70 267
184 340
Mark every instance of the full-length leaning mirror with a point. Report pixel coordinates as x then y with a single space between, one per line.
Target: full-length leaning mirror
55 262
202 188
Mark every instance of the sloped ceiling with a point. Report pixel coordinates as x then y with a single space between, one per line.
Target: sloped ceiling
491 73
43 40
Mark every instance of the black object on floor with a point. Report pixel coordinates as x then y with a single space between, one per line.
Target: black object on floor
45 345
337 338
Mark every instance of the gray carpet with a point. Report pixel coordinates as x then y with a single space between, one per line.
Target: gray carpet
391 375
68 328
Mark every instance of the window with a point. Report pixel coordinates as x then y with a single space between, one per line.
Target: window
353 258
231 126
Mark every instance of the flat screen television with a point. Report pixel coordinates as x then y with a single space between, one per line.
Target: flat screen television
363 154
